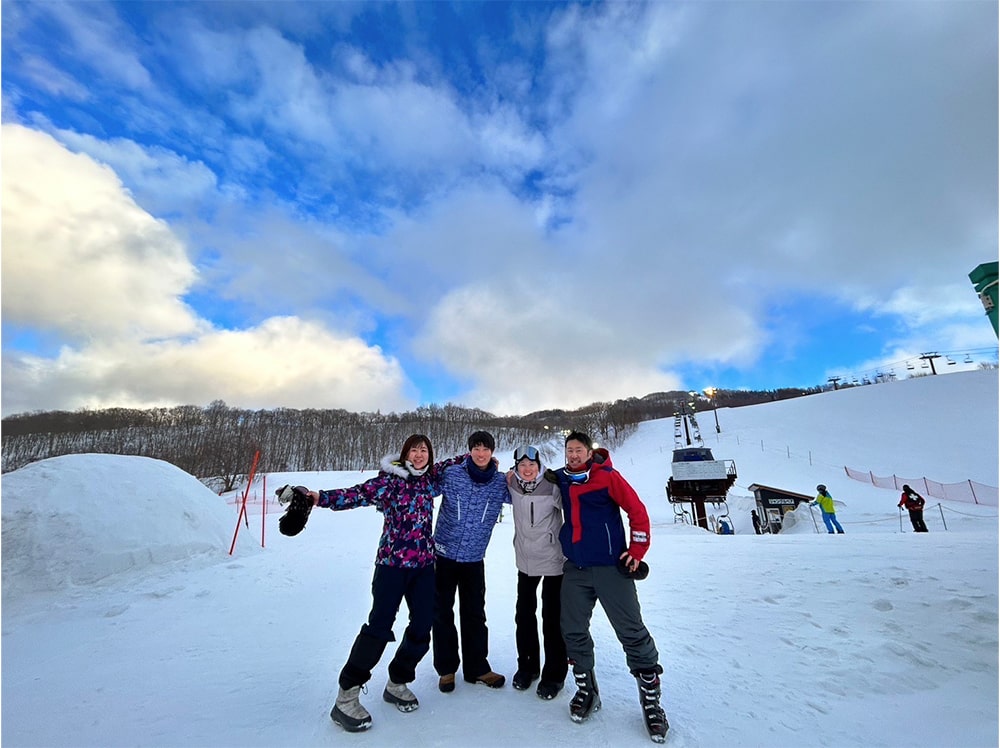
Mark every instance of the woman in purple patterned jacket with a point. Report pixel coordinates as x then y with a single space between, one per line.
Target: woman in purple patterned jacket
404 492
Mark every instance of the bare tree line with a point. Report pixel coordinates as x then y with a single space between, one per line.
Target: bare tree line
217 443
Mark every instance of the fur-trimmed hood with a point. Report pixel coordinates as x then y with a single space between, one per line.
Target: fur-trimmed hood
391 466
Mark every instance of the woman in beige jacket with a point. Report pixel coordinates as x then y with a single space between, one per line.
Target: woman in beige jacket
537 509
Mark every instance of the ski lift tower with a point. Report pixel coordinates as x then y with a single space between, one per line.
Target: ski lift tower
696 476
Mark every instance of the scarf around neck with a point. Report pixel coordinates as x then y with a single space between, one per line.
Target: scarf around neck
480 475
527 486
413 471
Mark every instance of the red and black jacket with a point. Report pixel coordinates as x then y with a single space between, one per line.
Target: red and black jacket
593 533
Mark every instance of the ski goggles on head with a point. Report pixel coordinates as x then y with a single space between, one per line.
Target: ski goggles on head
578 477
530 452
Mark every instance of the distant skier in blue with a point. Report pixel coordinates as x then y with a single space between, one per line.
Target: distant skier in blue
825 502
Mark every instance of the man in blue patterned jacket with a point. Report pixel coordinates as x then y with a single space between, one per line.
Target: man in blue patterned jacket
473 495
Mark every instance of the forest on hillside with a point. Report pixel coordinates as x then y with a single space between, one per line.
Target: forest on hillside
217 443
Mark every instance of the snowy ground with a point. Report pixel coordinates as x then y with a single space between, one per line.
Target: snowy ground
126 623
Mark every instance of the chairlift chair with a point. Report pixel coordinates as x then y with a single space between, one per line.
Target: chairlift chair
968 358
724 511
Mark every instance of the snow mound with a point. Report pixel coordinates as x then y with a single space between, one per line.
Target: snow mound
77 519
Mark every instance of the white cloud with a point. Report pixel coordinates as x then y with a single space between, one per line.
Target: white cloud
87 266
102 42
920 305
162 180
692 167
584 306
284 361
795 153
52 79
79 256
525 349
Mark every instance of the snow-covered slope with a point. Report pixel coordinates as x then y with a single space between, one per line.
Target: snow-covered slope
126 623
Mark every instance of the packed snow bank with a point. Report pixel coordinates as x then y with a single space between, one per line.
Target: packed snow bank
77 519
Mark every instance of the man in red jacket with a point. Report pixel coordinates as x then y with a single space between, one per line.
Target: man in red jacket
914 504
602 564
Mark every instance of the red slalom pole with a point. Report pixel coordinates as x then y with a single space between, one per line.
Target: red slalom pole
263 508
243 505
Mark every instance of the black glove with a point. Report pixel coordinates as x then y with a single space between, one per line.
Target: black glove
550 476
296 514
640 573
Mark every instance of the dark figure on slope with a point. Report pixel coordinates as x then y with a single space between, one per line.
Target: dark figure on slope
914 504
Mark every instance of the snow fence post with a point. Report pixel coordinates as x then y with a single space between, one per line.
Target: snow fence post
972 488
940 509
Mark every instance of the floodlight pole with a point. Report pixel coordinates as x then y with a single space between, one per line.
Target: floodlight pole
712 392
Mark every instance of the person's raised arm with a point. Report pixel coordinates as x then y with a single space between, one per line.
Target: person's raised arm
368 493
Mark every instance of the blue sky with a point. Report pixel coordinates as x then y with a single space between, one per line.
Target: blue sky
511 206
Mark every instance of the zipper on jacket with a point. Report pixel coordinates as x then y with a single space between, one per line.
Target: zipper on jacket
608 531
485 509
532 505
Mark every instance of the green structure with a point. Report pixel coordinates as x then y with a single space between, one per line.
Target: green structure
984 278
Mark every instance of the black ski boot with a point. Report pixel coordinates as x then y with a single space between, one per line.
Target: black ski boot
587 700
652 712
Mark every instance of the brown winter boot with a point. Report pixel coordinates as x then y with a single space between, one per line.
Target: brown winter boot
491 679
446 684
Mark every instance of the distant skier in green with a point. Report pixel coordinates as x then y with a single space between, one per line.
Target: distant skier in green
825 502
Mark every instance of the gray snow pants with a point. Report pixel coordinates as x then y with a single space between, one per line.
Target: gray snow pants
581 589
